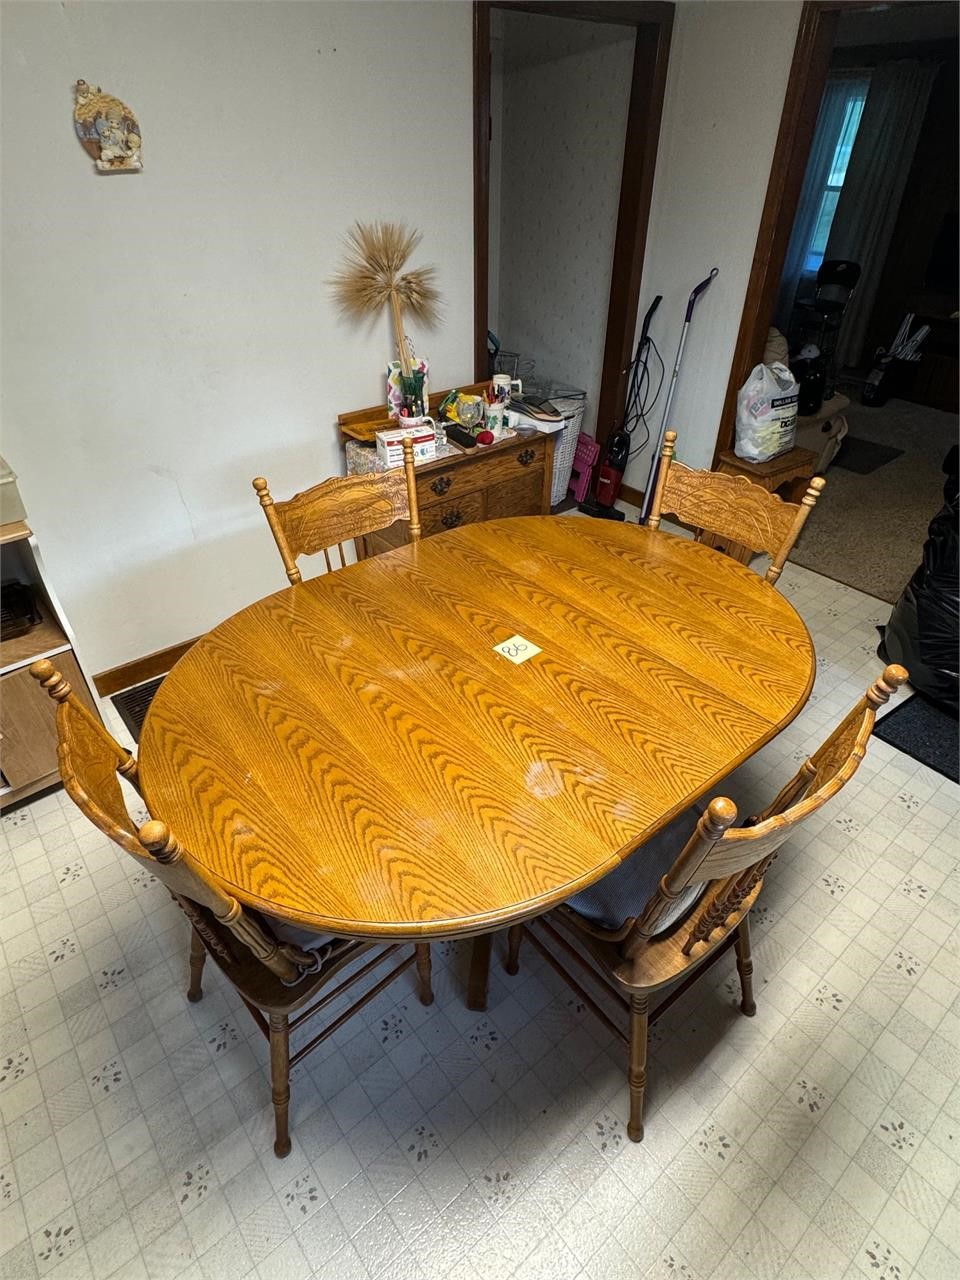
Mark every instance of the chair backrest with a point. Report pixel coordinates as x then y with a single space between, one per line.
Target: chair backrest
733 860
339 510
91 763
731 506
836 280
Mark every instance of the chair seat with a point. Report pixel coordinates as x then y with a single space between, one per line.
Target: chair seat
622 894
662 961
295 934
823 306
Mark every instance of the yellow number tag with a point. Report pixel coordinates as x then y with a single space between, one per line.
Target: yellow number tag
516 649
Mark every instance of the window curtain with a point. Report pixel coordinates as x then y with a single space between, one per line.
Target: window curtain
876 178
842 87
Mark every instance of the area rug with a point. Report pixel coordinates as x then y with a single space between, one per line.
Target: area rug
924 732
868 530
864 456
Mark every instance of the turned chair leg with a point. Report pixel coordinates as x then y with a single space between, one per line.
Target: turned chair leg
198 956
745 967
637 1075
425 972
514 938
280 1080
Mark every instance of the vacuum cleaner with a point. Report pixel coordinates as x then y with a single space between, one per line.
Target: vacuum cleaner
619 450
639 405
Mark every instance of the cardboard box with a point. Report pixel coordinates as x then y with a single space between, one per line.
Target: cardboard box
390 447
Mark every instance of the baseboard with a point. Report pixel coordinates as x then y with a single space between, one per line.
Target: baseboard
141 669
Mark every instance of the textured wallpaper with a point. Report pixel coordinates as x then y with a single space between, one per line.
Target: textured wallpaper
566 87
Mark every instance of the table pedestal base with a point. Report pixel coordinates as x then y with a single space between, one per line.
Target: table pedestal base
479 972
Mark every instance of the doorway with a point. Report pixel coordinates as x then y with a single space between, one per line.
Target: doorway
863 196
542 269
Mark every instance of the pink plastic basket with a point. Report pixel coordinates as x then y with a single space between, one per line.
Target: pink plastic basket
584 459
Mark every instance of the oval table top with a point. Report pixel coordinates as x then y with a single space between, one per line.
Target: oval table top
352 754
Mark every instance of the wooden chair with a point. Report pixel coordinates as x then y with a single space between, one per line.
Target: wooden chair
279 971
338 510
730 507
663 918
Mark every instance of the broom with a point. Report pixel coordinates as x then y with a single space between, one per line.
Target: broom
371 279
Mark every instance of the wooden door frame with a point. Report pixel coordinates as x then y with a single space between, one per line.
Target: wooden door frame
654 25
801 106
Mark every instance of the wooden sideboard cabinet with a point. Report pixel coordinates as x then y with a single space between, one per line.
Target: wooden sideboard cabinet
507 479
28 731
511 478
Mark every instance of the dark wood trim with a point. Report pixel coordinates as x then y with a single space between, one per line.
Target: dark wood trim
654 24
808 75
629 494
481 188
141 669
636 192
628 13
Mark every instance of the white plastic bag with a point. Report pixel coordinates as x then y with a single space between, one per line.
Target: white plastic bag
766 413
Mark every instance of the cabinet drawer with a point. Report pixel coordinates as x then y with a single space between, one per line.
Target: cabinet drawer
518 496
444 486
28 722
523 458
480 468
467 509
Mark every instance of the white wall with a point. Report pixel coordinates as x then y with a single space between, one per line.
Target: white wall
168 335
729 65
566 89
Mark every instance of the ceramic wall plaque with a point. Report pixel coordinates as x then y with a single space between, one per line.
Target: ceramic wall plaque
108 130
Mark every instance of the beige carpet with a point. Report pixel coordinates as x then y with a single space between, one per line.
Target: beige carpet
868 531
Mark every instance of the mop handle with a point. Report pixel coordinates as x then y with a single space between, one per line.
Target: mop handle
701 288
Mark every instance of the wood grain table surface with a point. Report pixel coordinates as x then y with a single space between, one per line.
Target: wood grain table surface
352 754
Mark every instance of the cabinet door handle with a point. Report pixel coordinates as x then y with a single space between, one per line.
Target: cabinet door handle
441 485
525 457
452 519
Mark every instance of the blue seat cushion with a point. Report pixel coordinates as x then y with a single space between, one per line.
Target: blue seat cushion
623 893
297 935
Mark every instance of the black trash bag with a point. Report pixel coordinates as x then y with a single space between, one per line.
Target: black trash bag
923 633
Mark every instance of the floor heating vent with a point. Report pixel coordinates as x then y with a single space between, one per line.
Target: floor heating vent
133 703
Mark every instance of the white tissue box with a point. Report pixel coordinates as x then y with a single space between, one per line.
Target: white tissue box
390 443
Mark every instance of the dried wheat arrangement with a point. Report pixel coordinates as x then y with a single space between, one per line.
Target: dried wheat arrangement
371 279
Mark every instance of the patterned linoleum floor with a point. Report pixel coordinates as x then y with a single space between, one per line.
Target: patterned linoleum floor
820 1139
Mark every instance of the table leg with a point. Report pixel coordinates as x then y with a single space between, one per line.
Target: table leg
479 972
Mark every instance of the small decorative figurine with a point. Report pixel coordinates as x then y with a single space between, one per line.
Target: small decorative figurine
108 130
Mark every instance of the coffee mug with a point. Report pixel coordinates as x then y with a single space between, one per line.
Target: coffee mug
494 418
503 386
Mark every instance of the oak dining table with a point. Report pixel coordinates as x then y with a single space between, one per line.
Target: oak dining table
353 754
